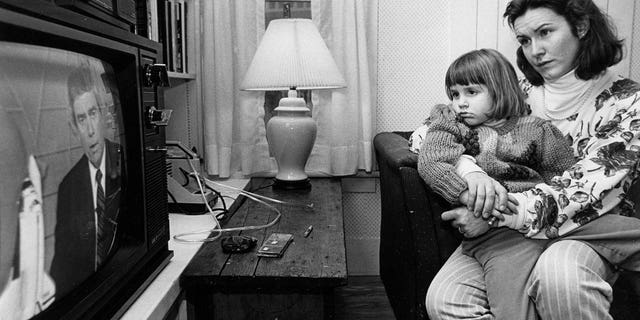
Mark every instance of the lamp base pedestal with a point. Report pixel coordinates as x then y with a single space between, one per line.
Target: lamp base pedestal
292 184
291 133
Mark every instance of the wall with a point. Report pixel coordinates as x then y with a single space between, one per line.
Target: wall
361 209
416 41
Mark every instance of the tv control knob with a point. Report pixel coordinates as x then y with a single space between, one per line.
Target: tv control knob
158 117
156 75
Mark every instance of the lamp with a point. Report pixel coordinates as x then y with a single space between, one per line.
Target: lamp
292 56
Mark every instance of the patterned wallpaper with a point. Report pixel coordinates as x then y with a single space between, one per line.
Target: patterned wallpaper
412 59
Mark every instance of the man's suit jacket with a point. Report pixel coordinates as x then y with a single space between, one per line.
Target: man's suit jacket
74 258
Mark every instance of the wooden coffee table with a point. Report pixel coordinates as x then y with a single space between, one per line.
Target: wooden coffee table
298 285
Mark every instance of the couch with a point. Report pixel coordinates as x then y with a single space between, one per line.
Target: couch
415 242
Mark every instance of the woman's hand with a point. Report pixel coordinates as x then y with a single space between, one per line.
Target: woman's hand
466 222
484 194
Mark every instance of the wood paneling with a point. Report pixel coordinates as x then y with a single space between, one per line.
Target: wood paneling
489 18
463 26
621 11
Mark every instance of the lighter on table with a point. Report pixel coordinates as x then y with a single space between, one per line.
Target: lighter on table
308 231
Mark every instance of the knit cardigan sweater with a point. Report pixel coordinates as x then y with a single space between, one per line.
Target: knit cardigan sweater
520 153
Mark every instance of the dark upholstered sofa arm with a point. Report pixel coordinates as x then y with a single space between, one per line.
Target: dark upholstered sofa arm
414 241
394 148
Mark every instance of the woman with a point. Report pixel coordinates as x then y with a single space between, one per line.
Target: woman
565 50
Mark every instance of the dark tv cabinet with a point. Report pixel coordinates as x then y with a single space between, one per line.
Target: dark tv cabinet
119 13
113 288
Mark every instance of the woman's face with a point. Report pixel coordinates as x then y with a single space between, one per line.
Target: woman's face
547 42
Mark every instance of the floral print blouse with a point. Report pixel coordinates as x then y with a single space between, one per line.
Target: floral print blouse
605 137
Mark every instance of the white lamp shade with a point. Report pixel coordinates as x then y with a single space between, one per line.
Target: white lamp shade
292 54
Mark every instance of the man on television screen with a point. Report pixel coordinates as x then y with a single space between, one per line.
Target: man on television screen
89 194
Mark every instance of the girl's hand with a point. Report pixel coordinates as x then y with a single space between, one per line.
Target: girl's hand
512 208
484 195
466 223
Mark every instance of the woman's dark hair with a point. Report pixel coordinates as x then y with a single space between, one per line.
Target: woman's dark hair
490 68
599 48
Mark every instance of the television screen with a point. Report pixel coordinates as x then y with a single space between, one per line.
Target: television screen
62 173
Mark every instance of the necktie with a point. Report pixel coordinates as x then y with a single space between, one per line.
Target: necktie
101 232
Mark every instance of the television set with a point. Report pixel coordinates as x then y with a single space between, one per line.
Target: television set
83 207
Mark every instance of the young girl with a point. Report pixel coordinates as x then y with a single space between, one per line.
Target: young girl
488 120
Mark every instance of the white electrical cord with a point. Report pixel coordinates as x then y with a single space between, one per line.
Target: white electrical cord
185 237
302 205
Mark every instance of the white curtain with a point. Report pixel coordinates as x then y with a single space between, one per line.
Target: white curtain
235 140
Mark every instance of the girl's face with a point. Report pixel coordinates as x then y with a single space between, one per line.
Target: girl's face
472 103
547 42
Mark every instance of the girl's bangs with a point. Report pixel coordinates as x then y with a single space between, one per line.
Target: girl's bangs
465 72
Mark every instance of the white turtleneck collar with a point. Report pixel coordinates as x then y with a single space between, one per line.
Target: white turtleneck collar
567 95
567 83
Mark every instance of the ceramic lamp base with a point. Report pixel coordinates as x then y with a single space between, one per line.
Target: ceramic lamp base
291 133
